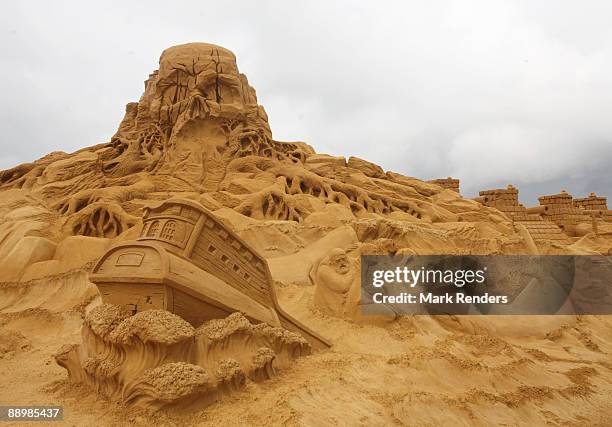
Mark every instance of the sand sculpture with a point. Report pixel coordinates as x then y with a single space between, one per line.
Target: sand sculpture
448 183
188 262
337 281
106 240
157 360
334 276
591 203
529 220
596 206
558 208
557 219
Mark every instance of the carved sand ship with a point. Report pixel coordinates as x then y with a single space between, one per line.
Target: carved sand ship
188 262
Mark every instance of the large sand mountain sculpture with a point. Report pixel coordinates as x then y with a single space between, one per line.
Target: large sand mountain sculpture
199 132
199 135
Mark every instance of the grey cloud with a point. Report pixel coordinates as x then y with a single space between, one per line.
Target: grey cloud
492 92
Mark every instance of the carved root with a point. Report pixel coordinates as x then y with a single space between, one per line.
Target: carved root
356 199
117 194
272 204
101 220
297 181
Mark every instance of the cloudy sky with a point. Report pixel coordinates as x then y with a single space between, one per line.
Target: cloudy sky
492 92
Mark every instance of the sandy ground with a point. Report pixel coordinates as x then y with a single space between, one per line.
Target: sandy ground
418 371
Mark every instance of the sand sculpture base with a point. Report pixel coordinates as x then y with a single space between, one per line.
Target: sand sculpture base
156 360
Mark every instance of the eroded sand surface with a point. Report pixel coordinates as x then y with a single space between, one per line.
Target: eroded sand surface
198 133
416 371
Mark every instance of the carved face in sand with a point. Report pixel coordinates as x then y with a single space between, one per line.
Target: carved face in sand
337 288
198 80
198 68
335 272
339 261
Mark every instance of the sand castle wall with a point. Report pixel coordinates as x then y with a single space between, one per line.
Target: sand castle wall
539 228
558 216
591 203
560 210
447 183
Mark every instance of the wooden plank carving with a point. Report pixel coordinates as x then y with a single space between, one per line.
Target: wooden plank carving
189 262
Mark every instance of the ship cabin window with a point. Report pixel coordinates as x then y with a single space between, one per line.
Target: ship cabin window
153 229
167 232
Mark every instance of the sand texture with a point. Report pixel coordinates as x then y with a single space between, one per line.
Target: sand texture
198 135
